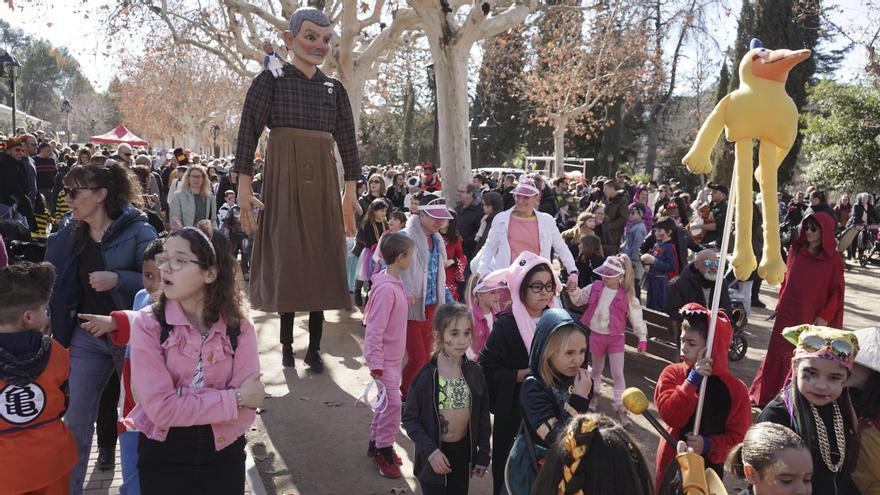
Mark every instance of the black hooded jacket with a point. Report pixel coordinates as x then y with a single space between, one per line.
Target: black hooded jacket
422 424
688 287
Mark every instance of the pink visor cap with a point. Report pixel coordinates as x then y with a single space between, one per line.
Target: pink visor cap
526 187
436 209
611 268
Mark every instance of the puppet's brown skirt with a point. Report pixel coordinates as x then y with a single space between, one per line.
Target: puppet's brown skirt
298 259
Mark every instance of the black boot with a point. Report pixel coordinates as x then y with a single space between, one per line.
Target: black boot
106 459
314 361
358 297
287 356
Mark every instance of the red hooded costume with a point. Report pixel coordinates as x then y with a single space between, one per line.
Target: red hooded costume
813 287
726 411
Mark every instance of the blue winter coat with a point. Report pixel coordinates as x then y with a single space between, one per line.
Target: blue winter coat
123 248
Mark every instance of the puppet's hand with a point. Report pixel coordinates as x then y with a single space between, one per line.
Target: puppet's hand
349 206
248 205
697 162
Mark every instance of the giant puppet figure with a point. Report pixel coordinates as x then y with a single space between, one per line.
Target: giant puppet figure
298 260
759 109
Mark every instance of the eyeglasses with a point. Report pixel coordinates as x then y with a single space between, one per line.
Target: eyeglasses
175 263
375 182
708 263
812 227
839 348
71 192
538 287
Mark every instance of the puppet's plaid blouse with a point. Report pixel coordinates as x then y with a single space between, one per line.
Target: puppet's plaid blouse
293 100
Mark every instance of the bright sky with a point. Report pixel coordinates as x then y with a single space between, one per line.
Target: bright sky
75 24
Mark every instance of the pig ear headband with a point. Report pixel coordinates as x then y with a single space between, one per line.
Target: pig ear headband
377 404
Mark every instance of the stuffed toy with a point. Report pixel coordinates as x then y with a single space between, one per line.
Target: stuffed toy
759 109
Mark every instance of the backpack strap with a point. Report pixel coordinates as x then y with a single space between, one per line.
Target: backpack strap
166 329
232 332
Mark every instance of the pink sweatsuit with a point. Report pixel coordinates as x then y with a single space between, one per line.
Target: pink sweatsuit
384 348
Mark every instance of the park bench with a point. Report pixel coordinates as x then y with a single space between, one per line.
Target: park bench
663 335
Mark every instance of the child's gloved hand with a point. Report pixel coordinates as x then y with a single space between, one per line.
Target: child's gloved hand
376 373
643 345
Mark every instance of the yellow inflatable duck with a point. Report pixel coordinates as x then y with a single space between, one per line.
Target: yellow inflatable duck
759 109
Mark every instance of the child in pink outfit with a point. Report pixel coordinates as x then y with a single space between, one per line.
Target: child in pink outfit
384 348
609 302
484 300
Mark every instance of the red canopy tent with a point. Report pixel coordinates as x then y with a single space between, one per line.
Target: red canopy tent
118 136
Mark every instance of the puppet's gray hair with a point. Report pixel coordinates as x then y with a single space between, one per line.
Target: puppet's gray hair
310 14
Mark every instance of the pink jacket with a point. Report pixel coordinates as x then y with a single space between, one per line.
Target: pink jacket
386 314
161 377
481 327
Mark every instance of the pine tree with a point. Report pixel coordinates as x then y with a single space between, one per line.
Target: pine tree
744 33
496 103
792 24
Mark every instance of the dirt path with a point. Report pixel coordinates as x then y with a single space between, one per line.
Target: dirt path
312 440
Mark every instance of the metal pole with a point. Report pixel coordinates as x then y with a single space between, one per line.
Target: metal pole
68 128
716 295
12 87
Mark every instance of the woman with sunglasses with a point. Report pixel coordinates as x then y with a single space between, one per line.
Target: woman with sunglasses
98 256
811 293
375 190
816 404
505 356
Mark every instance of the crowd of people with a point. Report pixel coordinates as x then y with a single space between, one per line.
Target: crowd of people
469 329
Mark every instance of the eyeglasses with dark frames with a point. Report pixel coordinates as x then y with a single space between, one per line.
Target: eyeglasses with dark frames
538 287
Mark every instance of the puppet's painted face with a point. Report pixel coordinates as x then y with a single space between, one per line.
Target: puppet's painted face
311 44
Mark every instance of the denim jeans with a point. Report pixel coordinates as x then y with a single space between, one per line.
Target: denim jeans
128 452
92 361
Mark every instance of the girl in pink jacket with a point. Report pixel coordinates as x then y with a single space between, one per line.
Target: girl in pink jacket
195 372
610 302
484 300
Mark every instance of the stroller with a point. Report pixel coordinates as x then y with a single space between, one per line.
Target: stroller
861 241
738 319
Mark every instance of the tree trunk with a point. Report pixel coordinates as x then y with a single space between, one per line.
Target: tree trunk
409 111
450 70
653 143
556 168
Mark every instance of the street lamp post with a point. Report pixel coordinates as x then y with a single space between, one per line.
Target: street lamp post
92 124
215 129
66 107
10 67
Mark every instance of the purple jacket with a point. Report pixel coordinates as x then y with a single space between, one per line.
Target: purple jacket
385 318
161 375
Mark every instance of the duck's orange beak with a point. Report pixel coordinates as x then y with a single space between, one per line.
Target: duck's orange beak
777 65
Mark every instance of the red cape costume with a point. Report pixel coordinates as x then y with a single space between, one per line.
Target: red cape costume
813 287
676 401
